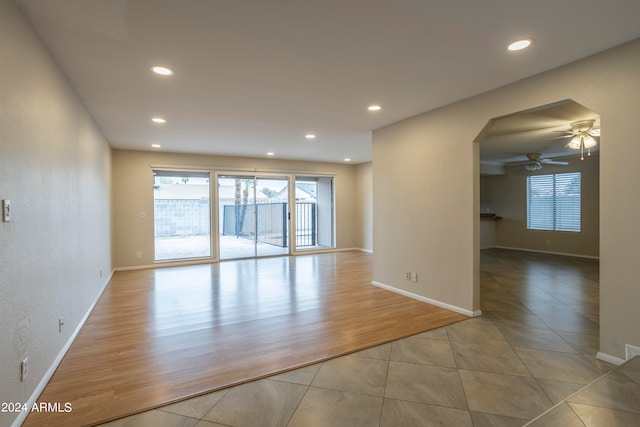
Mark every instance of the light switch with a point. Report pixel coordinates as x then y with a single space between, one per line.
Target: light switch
6 210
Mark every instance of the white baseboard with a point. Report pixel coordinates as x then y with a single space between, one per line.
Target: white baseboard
52 369
329 250
547 252
164 264
182 263
440 304
630 351
609 358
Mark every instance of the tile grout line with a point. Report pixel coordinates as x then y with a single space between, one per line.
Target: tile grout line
455 360
386 381
293 413
566 399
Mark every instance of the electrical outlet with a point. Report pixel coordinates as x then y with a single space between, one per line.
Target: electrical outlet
24 369
6 210
60 324
139 254
414 277
407 275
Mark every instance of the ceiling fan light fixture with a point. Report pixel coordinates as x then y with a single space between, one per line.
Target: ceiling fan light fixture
583 136
533 166
574 143
589 141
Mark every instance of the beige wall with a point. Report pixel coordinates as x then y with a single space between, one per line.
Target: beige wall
133 194
427 218
364 216
507 195
423 207
55 169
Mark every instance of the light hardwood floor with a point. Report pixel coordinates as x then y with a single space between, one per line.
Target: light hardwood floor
158 336
534 346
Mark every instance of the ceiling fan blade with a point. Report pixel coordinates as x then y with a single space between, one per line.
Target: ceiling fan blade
553 162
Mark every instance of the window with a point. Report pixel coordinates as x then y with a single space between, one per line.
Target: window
181 215
553 202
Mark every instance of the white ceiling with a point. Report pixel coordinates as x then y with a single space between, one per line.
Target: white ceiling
253 76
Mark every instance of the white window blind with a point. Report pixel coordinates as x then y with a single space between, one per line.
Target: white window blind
553 202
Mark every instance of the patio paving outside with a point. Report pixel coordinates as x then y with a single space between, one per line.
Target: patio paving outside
177 248
170 248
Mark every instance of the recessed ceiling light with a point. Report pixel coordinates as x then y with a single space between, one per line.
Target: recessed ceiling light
347 159
156 145
374 107
310 136
519 45
158 120
271 153
163 71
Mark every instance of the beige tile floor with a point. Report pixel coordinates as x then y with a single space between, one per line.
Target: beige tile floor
534 346
612 400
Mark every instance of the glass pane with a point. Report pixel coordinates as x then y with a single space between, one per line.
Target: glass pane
272 210
236 210
181 215
314 212
253 216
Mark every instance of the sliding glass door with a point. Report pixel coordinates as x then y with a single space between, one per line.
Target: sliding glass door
314 213
181 215
272 216
253 216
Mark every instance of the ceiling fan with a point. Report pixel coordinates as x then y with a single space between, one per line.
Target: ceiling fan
535 162
582 135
